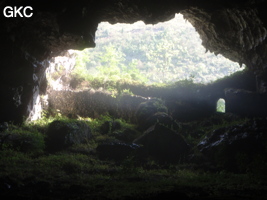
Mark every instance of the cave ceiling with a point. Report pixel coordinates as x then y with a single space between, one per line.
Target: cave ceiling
234 28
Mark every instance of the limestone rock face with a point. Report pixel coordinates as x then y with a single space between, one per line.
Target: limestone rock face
236 29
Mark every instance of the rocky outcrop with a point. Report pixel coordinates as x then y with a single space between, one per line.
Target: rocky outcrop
19 139
238 148
58 73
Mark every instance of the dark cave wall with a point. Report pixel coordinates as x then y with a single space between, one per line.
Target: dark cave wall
22 79
235 29
245 103
238 33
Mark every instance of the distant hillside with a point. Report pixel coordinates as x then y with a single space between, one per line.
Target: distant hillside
161 53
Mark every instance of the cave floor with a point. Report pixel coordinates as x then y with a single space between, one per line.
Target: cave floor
78 173
77 176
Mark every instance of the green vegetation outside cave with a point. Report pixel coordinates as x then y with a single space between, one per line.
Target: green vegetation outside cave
146 55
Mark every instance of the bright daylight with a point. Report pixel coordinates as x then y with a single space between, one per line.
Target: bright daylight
146 54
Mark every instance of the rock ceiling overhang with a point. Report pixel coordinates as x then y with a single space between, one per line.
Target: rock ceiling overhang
235 29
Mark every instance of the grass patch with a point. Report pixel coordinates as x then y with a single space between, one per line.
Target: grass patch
78 173
118 181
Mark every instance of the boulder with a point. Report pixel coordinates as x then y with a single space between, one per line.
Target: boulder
63 134
21 139
161 118
147 109
163 144
236 148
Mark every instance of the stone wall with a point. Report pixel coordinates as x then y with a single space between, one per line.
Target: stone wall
93 103
184 103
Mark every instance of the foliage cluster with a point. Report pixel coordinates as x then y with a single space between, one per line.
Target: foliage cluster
163 53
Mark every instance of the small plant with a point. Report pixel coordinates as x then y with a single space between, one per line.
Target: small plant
127 92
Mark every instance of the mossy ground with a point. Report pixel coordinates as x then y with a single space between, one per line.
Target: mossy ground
78 173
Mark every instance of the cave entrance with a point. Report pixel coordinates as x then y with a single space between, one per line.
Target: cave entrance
138 53
137 59
220 106
163 53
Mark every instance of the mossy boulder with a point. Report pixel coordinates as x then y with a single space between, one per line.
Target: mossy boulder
27 141
162 118
147 109
163 144
62 134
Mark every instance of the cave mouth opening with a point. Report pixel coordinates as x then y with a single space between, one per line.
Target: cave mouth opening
149 61
137 53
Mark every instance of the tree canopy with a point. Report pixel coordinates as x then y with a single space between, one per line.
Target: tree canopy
162 53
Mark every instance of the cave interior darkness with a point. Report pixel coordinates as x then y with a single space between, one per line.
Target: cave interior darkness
234 29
